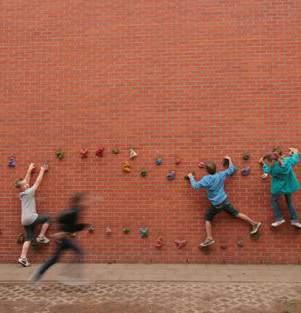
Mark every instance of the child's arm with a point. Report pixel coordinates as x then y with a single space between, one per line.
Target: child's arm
264 175
29 172
294 159
44 168
196 184
231 169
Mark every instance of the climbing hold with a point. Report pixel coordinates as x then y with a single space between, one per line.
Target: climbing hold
159 243
21 239
180 243
226 163
91 229
240 243
201 165
144 232
223 247
143 173
12 162
126 167
133 154
99 152
84 153
178 161
115 151
108 231
126 230
60 154
245 171
246 156
158 161
171 175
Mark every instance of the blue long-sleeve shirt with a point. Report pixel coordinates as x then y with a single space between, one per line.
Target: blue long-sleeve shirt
214 185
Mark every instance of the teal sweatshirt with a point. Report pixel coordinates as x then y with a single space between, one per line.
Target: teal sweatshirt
284 179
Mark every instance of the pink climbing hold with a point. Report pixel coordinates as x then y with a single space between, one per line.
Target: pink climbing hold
171 175
180 243
84 153
159 243
108 231
245 171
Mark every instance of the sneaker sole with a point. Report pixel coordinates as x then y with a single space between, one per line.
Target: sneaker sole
275 226
205 246
24 265
257 230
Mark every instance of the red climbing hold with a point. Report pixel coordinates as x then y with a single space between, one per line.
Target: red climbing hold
180 243
84 153
99 152
178 161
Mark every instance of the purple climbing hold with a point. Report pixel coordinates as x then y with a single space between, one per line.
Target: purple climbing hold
245 171
12 162
171 175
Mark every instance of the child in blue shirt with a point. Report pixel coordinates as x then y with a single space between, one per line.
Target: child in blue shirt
214 185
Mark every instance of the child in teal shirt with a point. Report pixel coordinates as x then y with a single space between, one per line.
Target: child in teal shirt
284 182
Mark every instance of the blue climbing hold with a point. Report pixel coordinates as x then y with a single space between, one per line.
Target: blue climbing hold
144 232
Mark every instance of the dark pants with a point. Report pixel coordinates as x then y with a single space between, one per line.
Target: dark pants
276 208
62 245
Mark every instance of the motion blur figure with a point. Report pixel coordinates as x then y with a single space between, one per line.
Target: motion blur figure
68 225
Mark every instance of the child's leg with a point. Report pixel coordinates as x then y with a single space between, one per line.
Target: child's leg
44 220
208 227
246 218
44 229
292 210
276 208
25 248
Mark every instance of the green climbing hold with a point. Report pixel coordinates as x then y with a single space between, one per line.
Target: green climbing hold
115 151
60 154
144 232
143 173
126 230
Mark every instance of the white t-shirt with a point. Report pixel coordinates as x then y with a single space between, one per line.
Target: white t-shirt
28 206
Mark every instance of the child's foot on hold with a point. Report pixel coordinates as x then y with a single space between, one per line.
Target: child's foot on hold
24 262
296 224
206 243
42 239
255 228
278 223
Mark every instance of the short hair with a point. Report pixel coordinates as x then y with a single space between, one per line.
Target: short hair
210 167
278 150
19 183
76 199
270 157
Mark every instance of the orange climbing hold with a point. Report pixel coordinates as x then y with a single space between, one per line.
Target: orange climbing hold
126 167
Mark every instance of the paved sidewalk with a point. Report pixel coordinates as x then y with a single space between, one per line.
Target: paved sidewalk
163 272
137 288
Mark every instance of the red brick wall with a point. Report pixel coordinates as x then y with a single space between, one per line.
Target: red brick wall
194 79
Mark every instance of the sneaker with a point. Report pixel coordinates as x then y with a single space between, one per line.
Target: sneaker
256 228
24 262
296 224
42 239
206 243
278 223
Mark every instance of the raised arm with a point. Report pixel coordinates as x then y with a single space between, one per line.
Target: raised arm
29 172
294 156
196 184
44 168
231 169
